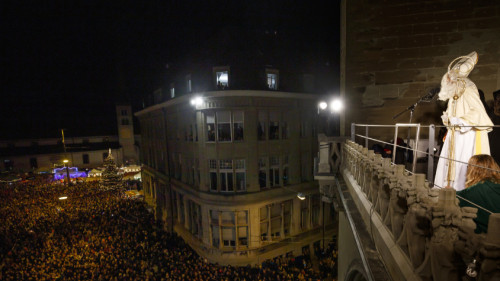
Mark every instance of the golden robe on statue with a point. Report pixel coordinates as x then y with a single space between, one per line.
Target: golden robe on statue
467 121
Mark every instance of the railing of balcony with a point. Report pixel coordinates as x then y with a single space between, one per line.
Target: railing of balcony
425 220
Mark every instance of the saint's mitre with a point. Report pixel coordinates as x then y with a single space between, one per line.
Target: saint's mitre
462 66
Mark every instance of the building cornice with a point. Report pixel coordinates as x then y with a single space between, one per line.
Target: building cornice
226 93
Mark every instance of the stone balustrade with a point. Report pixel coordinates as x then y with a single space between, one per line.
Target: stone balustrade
434 233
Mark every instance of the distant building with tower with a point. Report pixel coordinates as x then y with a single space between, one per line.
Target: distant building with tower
42 155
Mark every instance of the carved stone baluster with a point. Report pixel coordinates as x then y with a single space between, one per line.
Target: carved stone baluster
398 206
375 165
417 226
378 180
490 266
384 193
367 169
446 217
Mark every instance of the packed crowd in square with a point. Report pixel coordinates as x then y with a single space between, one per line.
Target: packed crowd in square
98 234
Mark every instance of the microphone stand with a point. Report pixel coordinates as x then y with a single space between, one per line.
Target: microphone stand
427 98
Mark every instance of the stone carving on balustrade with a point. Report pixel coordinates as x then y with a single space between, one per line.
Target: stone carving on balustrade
393 175
380 173
441 261
427 223
361 164
416 198
368 170
480 251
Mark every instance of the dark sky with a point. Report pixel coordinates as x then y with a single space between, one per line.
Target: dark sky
66 63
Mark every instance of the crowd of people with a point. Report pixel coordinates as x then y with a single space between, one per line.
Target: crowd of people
97 234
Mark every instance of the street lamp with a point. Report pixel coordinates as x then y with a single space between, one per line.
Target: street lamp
65 161
335 106
196 101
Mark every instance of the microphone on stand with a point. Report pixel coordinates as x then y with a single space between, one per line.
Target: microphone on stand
431 95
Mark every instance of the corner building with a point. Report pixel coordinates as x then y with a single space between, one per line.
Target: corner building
225 173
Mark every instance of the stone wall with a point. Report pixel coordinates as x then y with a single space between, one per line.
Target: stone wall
395 51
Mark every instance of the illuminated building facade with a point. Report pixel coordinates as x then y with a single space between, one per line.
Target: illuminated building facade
226 149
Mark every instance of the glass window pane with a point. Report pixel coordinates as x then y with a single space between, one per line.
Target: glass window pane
224 131
238 131
262 178
210 126
213 181
226 164
230 182
240 181
223 182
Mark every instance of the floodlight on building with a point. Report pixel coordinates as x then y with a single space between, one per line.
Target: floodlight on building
336 105
301 196
63 198
197 101
322 105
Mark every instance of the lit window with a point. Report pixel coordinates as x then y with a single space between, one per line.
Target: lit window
272 76
222 79
272 81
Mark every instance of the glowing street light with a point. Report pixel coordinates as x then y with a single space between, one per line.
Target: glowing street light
301 196
323 105
65 161
336 105
63 197
196 101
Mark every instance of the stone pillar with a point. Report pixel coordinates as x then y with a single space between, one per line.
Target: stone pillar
282 231
187 214
206 225
178 206
295 227
254 228
236 229
220 230
324 154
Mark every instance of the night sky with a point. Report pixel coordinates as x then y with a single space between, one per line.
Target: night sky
66 63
